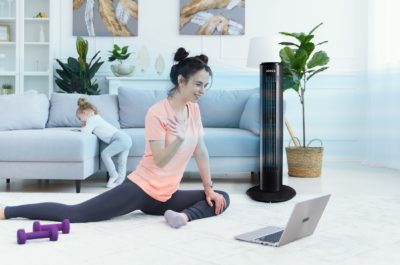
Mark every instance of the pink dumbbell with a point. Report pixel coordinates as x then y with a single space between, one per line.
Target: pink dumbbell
22 236
64 226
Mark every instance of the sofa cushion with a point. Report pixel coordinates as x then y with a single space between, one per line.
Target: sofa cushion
223 108
49 145
134 103
250 119
223 142
63 109
229 142
18 112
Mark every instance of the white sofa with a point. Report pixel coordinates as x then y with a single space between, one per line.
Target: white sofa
38 138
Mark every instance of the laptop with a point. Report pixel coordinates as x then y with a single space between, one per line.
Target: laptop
302 222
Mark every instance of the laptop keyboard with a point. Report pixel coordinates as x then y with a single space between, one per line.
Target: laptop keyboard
273 238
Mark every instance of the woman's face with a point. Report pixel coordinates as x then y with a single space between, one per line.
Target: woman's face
195 87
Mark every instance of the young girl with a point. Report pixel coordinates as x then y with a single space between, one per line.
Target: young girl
119 143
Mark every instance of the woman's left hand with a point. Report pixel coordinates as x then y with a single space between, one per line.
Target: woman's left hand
218 199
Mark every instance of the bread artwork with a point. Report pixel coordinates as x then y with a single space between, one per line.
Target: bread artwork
114 19
125 9
196 6
200 12
77 4
210 26
110 20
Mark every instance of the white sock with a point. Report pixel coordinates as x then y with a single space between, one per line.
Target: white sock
174 219
111 181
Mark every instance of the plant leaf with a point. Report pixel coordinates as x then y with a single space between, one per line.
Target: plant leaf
321 43
64 74
289 44
94 56
317 71
300 60
124 50
124 57
319 58
287 56
93 70
73 64
311 32
63 86
308 47
307 39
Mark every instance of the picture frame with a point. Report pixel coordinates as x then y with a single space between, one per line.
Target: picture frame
212 17
4 33
108 18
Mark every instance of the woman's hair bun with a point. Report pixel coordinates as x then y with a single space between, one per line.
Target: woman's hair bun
180 54
203 58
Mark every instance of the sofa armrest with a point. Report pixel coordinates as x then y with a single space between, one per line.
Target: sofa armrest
250 119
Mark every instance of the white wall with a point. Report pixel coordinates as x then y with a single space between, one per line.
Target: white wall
332 106
345 28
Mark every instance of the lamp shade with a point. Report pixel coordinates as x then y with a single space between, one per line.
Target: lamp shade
262 49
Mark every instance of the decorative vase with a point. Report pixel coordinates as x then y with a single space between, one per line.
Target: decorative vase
159 65
123 69
143 59
42 37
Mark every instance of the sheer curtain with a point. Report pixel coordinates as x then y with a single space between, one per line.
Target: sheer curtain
382 126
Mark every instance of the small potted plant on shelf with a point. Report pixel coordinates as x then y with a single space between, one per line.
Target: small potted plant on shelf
41 14
120 54
300 63
7 89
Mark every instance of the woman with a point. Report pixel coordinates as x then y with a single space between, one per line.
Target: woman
174 133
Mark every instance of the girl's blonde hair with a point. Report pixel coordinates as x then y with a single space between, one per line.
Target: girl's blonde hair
83 104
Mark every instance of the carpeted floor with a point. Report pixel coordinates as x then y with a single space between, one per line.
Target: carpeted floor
353 230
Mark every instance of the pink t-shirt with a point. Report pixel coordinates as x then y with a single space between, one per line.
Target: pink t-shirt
161 183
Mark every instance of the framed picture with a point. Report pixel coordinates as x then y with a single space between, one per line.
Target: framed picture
212 17
4 33
105 18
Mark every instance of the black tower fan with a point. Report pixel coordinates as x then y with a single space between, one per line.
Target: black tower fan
271 138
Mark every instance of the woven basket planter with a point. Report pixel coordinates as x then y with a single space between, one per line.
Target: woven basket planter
304 162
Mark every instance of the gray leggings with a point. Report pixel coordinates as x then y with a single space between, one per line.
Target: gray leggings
120 200
119 145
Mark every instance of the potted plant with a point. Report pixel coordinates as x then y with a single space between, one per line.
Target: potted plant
300 63
76 75
7 89
120 54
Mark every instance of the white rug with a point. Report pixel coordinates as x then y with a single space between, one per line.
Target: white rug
353 230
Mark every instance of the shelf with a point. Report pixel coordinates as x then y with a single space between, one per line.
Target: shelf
9 43
28 60
8 73
37 20
139 78
36 43
7 19
38 73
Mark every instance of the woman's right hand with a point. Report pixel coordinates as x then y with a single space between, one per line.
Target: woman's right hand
177 128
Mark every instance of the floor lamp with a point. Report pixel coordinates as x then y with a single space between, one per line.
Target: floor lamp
271 188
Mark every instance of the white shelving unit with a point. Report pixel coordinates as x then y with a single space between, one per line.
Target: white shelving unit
28 61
